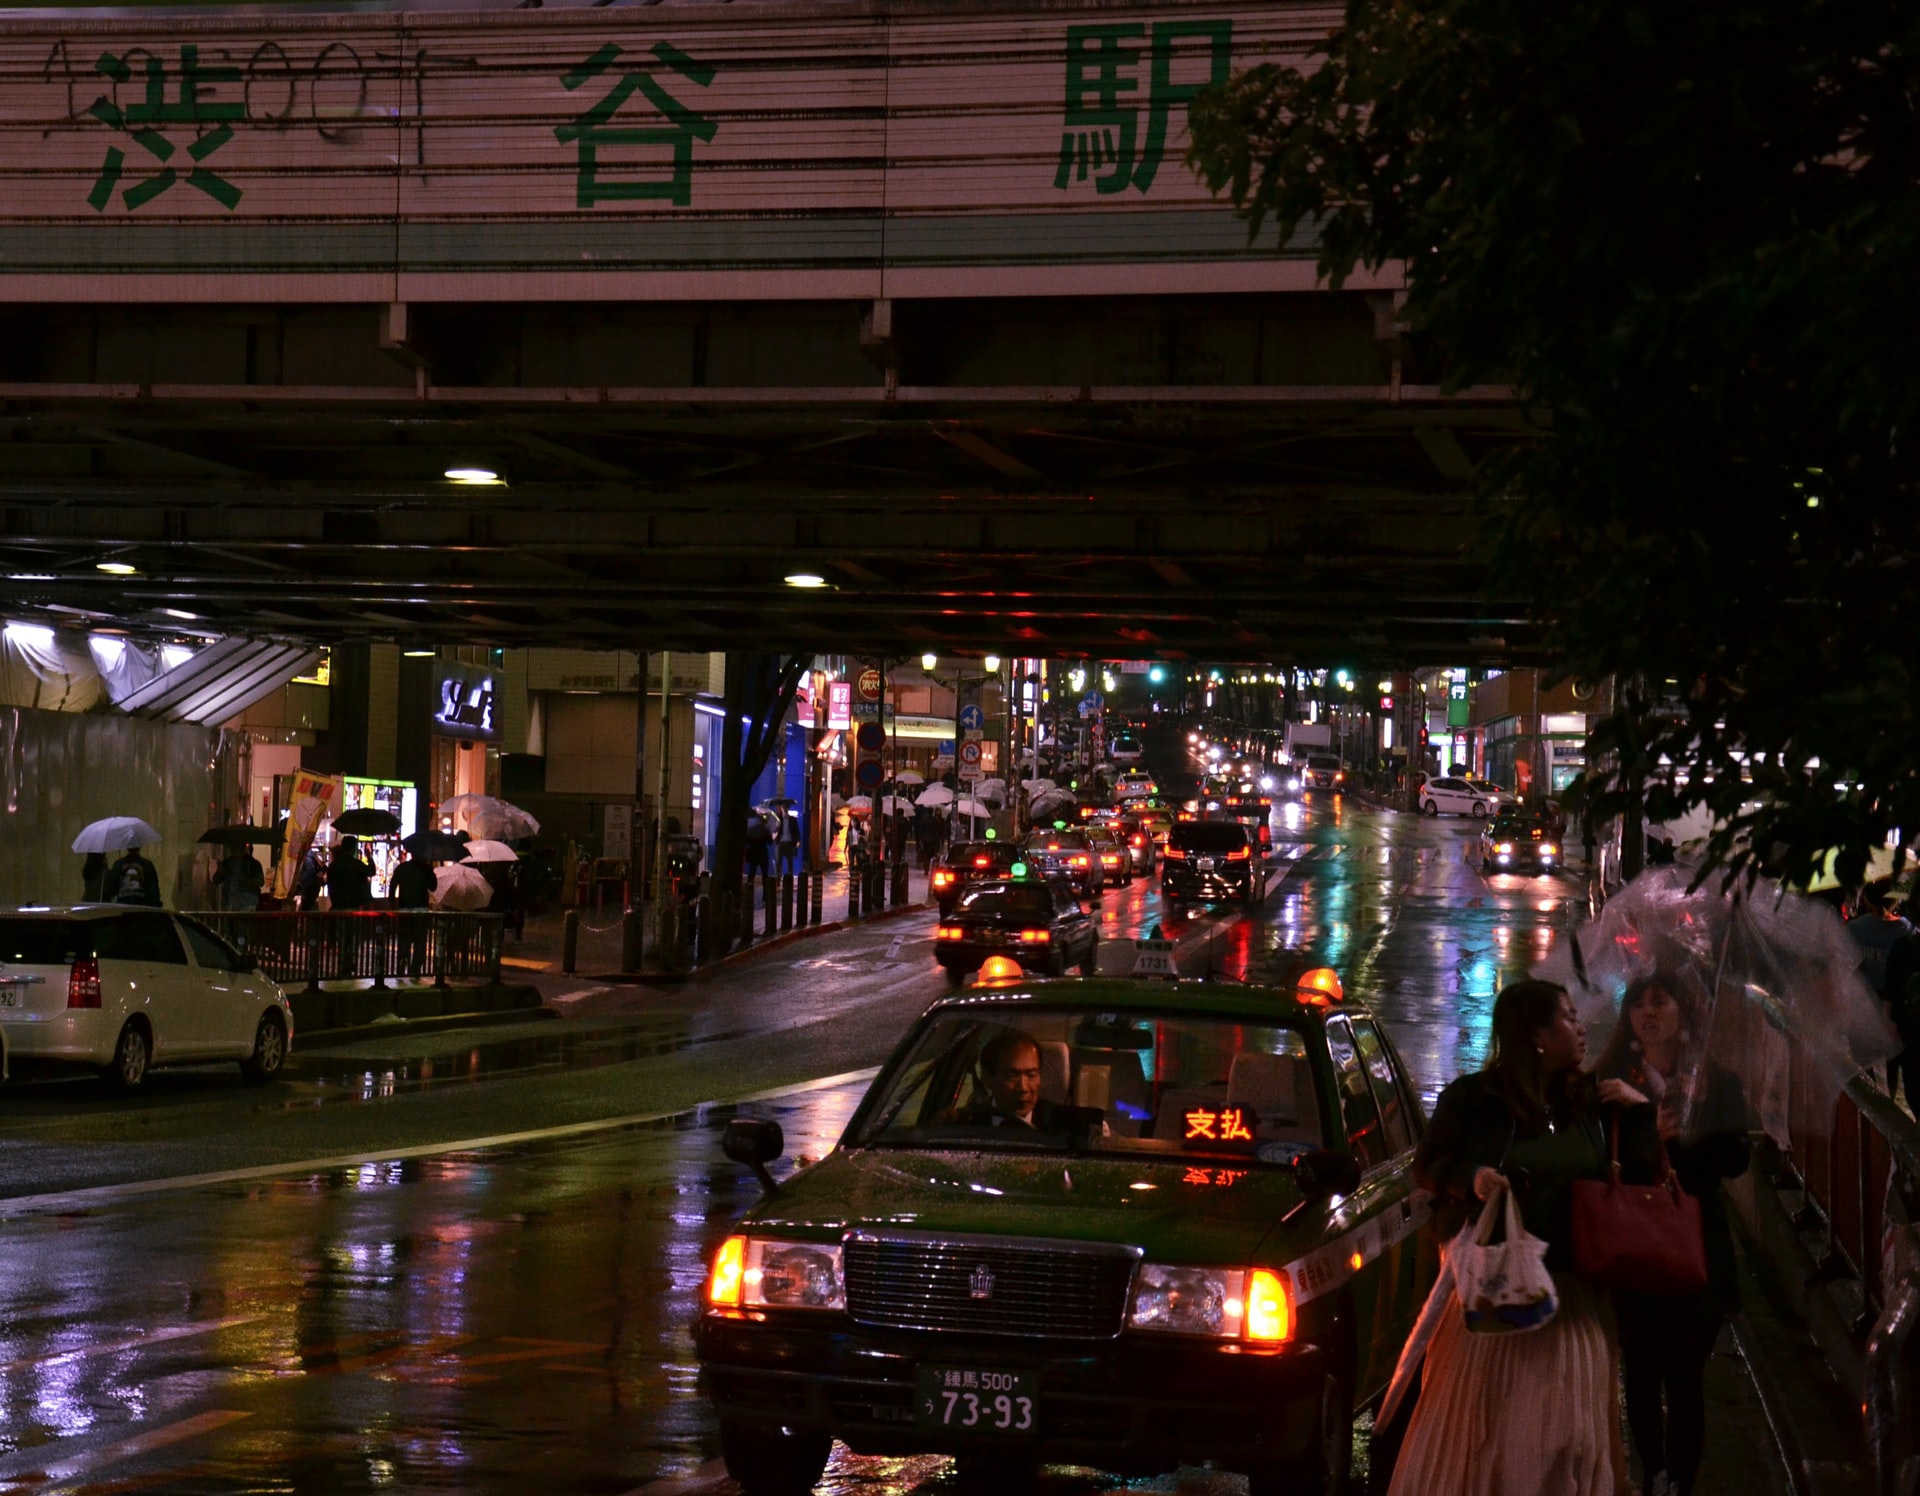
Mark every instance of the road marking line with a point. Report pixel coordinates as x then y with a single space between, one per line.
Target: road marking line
104 1194
139 1444
152 1337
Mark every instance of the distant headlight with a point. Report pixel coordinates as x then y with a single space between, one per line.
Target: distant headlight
1294 782
793 1275
1503 848
1548 849
1189 1300
1266 781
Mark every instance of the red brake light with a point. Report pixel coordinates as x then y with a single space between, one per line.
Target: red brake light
1173 852
983 862
942 878
1036 937
1240 854
1076 862
949 932
83 984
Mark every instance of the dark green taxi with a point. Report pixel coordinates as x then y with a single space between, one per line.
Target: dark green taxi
1125 1224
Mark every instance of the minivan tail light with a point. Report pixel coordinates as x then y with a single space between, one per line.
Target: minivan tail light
83 984
1240 854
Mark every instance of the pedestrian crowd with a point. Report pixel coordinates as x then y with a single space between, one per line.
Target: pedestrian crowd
1481 1408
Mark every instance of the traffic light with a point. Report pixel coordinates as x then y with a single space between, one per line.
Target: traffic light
1157 674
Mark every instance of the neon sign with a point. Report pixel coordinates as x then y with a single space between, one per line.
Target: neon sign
1227 1125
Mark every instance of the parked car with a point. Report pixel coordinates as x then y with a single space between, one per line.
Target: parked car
1124 1224
1210 860
120 989
1464 797
1038 921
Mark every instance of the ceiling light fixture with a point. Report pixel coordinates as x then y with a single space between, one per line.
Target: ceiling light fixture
474 477
181 613
30 576
805 579
116 568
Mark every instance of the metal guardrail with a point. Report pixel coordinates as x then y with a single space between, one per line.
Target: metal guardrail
1858 1167
385 945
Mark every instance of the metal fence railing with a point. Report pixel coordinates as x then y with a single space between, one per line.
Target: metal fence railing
1857 1165
384 945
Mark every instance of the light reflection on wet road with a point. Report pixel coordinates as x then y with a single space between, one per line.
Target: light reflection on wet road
518 1316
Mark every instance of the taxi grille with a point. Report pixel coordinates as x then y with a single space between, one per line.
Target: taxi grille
919 1284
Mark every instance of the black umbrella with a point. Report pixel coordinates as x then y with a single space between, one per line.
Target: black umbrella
241 836
366 822
436 846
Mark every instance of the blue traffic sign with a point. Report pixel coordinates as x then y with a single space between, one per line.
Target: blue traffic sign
972 719
944 749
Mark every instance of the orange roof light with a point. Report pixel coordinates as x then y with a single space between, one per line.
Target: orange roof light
1320 986
1000 969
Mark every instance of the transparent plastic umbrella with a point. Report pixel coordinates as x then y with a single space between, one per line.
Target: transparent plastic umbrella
457 886
115 834
936 796
1757 974
491 851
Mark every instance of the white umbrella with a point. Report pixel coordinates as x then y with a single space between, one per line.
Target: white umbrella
115 834
1037 786
491 851
971 808
860 802
907 776
936 796
457 886
895 805
990 789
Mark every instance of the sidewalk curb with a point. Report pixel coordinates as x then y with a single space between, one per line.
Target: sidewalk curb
489 1018
762 946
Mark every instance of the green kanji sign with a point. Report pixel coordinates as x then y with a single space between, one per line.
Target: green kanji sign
143 123
1102 141
592 130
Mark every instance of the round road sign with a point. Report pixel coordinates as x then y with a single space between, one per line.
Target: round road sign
969 752
869 774
871 737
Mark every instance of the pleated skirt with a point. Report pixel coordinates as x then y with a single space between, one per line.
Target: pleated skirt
1535 1414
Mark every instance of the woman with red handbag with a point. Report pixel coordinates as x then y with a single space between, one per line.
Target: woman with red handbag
1534 1413
1658 1048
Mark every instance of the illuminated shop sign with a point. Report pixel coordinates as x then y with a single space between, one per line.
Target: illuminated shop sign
464 707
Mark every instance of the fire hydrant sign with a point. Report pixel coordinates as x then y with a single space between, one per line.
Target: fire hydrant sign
838 151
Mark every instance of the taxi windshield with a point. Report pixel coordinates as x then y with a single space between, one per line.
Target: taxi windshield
1050 1080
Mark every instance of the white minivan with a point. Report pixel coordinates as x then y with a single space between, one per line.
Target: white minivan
120 989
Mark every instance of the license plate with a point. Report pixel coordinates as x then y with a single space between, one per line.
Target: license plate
971 1399
9 996
1205 864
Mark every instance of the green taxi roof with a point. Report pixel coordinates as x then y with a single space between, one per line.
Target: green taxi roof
1116 994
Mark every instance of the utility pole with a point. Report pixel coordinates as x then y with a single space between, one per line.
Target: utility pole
666 937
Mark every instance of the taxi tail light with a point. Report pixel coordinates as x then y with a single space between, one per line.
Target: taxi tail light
1138 839
1076 862
1240 854
1036 937
983 862
949 932
83 984
942 878
1269 1310
729 1273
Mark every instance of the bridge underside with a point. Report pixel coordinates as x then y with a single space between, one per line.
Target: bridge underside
1225 477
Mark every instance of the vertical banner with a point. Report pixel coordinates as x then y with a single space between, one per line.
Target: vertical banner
314 798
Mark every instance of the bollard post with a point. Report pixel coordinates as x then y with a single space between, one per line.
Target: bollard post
668 952
899 884
632 940
786 901
855 876
766 897
876 888
744 903
570 941
805 886
819 898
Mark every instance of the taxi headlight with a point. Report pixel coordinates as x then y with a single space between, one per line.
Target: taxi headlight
1548 849
1189 1300
793 1275
1503 847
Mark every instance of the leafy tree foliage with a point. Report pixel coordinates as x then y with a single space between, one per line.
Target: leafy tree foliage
1689 236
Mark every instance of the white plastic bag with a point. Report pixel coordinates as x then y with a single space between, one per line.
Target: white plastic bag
1504 1286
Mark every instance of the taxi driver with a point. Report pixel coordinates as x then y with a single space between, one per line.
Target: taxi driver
1010 1069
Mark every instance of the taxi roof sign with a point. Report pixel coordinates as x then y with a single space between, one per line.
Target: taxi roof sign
1320 986
1000 969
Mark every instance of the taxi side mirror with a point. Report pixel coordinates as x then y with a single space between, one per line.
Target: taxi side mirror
1322 1172
755 1144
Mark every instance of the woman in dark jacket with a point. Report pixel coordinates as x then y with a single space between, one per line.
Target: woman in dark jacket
1531 1121
1659 1048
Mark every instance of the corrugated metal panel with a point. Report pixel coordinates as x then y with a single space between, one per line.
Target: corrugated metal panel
524 144
219 682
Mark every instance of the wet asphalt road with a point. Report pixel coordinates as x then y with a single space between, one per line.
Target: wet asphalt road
468 1262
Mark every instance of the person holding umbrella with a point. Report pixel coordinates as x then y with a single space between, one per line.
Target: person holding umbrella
133 880
238 879
350 888
412 891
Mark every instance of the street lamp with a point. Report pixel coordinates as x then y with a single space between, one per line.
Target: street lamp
928 661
